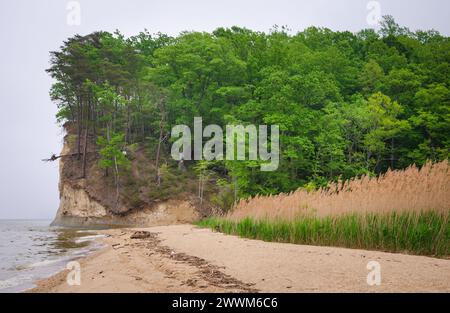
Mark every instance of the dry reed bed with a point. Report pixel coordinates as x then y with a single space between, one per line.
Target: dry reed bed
409 190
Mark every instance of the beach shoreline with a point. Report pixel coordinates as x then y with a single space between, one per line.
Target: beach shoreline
32 250
184 258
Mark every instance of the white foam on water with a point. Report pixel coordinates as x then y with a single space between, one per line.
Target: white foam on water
89 238
30 252
15 281
44 263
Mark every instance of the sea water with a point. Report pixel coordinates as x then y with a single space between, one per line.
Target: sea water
31 250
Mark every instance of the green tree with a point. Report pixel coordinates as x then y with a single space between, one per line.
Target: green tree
113 156
385 127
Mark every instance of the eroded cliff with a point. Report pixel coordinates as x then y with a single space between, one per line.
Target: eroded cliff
90 201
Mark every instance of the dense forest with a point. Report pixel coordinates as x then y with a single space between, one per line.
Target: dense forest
346 103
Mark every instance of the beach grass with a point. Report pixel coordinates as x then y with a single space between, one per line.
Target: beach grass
419 233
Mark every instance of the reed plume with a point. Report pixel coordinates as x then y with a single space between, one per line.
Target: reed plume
411 190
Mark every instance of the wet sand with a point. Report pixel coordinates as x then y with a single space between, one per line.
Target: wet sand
184 258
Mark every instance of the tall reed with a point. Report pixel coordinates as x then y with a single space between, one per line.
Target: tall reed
410 190
400 211
426 233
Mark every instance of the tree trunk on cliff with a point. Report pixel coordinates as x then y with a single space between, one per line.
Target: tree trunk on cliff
128 123
79 119
158 153
87 119
116 168
85 151
94 119
160 141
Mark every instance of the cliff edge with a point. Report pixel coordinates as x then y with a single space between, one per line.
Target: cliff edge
91 201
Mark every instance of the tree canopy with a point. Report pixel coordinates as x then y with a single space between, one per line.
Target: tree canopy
347 103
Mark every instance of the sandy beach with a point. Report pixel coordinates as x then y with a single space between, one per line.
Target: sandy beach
184 258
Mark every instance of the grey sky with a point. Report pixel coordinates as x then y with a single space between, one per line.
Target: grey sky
30 29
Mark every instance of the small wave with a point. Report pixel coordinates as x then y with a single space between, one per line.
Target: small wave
15 281
89 238
40 253
45 263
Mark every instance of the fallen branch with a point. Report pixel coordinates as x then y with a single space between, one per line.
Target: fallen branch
55 157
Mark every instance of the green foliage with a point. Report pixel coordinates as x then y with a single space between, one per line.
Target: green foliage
170 185
347 104
426 233
111 151
384 124
224 198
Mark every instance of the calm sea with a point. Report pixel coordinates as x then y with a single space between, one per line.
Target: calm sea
31 250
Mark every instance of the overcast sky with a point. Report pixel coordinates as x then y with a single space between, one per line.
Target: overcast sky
30 29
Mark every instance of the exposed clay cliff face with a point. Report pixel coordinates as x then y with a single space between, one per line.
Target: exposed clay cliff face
89 201
77 209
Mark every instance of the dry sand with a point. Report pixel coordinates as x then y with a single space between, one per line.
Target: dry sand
184 258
